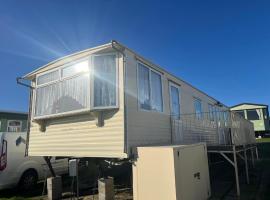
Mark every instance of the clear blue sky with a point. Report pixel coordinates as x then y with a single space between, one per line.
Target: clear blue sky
222 47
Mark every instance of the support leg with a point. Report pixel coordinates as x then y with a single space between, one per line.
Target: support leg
252 157
257 155
236 172
246 165
48 161
77 178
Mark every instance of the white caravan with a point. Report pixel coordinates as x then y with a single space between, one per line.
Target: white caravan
18 170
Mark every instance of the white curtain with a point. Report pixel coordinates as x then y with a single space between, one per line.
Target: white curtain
144 87
104 81
259 113
74 94
156 92
175 102
198 108
46 98
70 95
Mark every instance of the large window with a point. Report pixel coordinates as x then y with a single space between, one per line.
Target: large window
67 89
105 75
198 108
14 126
175 100
149 89
253 114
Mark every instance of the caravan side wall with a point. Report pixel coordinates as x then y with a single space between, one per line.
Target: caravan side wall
78 135
150 127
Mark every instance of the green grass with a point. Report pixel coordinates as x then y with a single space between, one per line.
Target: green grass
263 140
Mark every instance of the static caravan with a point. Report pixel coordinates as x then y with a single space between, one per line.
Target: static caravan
108 100
258 114
13 121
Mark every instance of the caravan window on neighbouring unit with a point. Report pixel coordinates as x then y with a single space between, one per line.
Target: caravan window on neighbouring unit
149 89
241 113
198 108
253 114
14 126
67 89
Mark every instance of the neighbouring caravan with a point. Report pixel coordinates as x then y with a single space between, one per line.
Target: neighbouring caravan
107 100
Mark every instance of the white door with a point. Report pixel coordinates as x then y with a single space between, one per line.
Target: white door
175 112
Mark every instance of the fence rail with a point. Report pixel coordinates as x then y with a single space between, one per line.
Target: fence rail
216 128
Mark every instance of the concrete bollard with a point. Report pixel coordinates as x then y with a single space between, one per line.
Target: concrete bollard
106 189
54 188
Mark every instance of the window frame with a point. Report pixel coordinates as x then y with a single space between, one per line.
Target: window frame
179 97
259 115
201 113
150 88
91 60
238 113
11 120
90 86
61 79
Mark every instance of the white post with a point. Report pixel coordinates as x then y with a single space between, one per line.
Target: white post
252 157
236 172
257 155
246 165
77 177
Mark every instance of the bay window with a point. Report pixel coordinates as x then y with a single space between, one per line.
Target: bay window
67 89
149 89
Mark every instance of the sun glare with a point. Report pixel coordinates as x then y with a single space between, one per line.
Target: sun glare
82 67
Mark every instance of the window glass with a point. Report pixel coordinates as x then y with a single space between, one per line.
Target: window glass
68 95
104 81
14 126
47 100
49 77
241 113
144 87
156 92
150 89
198 108
175 101
75 94
211 110
76 68
253 114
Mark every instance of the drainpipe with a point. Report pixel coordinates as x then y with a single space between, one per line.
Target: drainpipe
121 51
20 82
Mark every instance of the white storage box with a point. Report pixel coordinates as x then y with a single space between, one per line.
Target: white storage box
171 173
